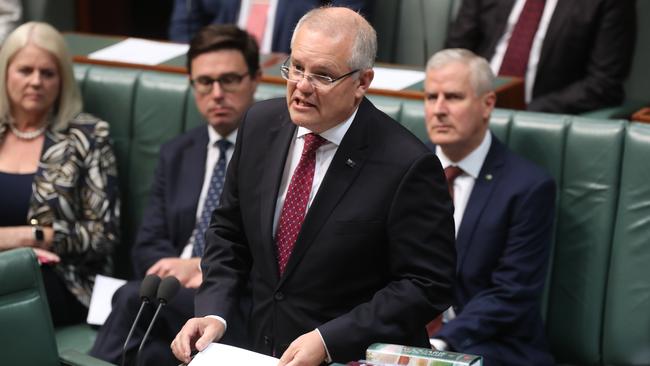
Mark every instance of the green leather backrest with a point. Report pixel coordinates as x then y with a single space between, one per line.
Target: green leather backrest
59 13
626 335
409 32
109 93
412 117
585 219
159 112
26 332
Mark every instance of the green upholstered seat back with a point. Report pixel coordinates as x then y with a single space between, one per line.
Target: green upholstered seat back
159 111
108 93
409 32
626 334
26 332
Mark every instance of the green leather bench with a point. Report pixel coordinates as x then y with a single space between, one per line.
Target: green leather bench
597 303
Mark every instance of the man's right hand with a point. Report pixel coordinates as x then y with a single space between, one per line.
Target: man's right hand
187 271
196 334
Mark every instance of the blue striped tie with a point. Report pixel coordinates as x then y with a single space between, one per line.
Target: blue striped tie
211 199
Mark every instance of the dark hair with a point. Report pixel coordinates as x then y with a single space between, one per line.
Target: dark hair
217 37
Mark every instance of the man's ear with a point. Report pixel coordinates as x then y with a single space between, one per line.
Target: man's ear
365 78
489 101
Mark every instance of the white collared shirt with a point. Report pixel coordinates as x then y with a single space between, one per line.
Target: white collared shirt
536 48
464 183
213 155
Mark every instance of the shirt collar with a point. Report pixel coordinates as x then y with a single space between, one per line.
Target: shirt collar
214 136
473 162
334 134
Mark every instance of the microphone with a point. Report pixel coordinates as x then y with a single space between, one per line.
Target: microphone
148 290
168 288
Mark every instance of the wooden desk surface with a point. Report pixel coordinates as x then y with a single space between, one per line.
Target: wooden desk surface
510 91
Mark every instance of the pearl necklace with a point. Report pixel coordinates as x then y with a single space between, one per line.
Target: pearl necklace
29 135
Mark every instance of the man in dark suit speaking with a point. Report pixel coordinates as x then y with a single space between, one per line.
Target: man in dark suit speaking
504 218
339 216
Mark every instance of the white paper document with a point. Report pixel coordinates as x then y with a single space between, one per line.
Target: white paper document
140 51
100 301
395 79
224 355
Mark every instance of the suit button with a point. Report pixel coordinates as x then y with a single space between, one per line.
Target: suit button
267 340
279 296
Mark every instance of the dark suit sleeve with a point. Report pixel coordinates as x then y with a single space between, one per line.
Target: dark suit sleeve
154 241
188 16
421 264
518 280
607 66
465 31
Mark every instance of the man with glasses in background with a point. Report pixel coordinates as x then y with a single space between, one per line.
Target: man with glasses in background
338 216
223 66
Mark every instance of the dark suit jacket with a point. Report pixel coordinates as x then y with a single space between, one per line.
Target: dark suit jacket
375 256
188 16
170 216
503 245
586 54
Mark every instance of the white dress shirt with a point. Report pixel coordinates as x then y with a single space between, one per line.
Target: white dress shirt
536 48
464 183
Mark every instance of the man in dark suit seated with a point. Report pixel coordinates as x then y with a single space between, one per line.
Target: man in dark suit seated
504 210
223 65
573 54
338 215
279 18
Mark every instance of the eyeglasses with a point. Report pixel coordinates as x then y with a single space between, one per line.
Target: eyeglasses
227 82
293 75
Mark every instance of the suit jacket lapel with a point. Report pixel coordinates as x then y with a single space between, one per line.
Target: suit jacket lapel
499 23
559 20
279 140
483 188
338 178
193 175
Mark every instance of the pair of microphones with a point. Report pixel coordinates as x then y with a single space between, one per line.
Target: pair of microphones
153 291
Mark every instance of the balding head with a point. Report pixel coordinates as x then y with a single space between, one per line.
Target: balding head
343 23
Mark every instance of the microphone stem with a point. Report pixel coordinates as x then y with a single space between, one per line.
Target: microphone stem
146 335
128 338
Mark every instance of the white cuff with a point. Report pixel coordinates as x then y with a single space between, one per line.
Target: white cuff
438 344
222 320
328 358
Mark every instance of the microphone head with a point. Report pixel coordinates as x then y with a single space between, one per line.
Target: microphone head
149 287
168 288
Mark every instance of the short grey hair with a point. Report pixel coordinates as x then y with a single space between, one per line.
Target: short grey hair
364 48
43 36
481 76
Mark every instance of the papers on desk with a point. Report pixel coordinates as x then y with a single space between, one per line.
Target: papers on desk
140 51
395 79
100 301
223 355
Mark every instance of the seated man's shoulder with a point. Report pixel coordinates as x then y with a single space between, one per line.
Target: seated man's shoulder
528 173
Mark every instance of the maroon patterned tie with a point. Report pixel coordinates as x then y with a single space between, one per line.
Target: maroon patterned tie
295 202
516 58
451 173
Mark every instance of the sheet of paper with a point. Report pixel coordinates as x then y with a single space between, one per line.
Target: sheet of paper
100 300
140 51
224 355
395 79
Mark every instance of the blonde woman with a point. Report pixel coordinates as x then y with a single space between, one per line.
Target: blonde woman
58 174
